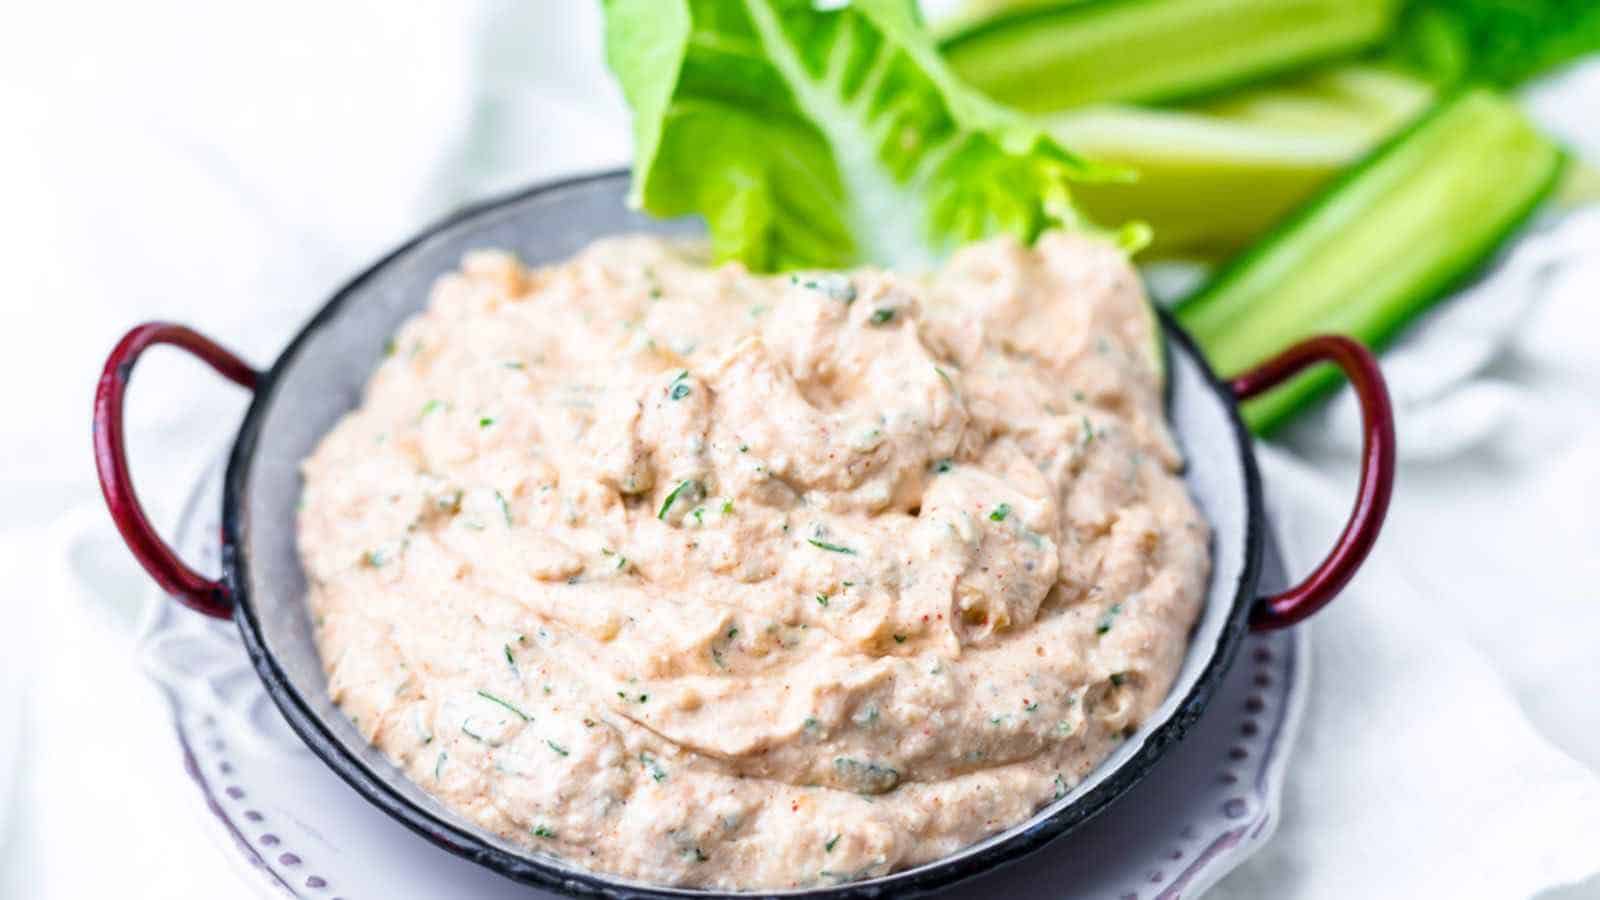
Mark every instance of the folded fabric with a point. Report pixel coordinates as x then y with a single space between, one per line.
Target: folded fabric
1416 773
1452 739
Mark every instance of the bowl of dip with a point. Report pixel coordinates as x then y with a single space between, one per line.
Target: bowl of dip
663 775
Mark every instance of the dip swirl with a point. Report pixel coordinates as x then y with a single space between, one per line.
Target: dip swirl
709 579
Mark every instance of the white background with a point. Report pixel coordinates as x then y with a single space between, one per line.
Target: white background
228 165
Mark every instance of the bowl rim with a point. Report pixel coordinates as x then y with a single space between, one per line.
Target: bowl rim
529 869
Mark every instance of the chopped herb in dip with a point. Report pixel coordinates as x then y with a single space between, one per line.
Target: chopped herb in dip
679 389
694 492
833 284
505 703
1109 619
652 767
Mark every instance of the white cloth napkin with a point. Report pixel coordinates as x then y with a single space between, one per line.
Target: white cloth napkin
227 165
1453 735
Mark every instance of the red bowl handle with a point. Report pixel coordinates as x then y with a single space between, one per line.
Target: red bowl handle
111 460
1377 472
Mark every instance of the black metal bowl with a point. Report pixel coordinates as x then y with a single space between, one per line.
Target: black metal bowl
319 377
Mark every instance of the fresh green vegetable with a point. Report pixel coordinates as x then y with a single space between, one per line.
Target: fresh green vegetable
813 137
1352 97
1498 42
1215 174
1053 56
1214 177
1377 247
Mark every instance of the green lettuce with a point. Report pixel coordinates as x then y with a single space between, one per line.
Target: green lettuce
812 137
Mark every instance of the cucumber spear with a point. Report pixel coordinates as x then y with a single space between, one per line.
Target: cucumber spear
1390 237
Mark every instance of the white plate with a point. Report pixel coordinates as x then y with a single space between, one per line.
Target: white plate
297 830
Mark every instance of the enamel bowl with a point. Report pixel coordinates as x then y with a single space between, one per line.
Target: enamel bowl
319 378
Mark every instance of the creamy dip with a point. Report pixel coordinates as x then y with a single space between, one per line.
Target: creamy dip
708 579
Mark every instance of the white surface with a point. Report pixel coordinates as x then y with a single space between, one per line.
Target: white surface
227 165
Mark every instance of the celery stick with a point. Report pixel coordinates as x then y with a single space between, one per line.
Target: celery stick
1214 178
1379 246
1206 186
1057 56
1361 97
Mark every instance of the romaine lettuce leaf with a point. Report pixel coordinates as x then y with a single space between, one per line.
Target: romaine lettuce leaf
811 137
